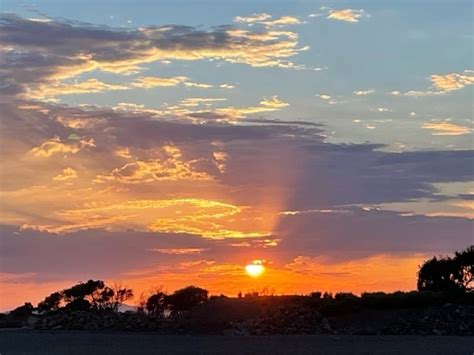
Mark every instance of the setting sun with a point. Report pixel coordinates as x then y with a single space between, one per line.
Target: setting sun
256 269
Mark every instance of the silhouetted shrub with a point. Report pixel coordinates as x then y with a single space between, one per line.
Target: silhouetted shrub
23 311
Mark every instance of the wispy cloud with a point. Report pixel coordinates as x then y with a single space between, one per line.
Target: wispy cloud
51 90
446 128
363 92
441 84
266 20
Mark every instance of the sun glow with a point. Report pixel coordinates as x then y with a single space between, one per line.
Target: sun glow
256 269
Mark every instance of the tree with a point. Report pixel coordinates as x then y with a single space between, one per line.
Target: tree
93 292
465 262
155 304
185 299
51 302
121 295
448 274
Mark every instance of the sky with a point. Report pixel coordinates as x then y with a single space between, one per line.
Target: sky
170 143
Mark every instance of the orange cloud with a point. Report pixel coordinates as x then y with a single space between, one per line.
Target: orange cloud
55 146
170 167
205 218
180 251
67 174
446 128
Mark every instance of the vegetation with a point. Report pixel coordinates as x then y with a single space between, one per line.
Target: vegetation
448 273
94 305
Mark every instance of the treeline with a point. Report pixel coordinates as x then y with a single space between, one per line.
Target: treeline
95 295
440 279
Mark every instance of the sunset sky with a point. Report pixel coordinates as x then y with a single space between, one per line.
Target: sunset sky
169 143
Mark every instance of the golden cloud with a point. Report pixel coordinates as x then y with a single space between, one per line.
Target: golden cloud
51 90
67 174
274 103
153 81
348 15
265 19
206 218
171 167
450 82
55 146
446 128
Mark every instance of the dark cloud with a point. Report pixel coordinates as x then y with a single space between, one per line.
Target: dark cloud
41 52
347 233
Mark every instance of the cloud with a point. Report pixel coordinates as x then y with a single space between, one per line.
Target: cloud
198 85
255 18
442 84
148 82
451 82
31 60
51 90
324 97
446 128
200 217
180 251
348 15
274 103
265 20
55 146
416 93
364 92
169 167
67 174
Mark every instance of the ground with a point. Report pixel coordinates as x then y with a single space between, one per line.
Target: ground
79 342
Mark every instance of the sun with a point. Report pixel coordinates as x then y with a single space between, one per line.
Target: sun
255 269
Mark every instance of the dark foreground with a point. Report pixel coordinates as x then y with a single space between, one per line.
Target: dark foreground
79 342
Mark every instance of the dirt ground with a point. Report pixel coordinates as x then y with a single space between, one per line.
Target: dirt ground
77 342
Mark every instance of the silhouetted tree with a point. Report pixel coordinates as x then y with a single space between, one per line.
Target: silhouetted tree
185 299
465 262
448 274
121 294
51 302
155 304
93 292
